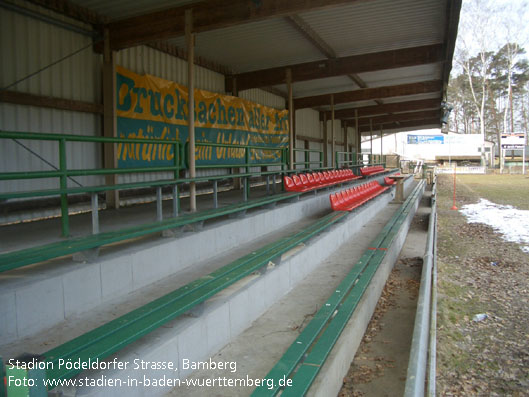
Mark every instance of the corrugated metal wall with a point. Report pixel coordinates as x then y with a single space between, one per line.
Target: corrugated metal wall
147 60
308 124
27 45
263 97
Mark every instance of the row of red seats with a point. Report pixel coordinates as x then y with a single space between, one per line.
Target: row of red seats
349 199
317 180
374 169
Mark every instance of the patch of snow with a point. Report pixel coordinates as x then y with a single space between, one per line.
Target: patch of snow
511 223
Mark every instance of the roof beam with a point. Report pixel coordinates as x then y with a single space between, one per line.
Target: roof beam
72 10
424 87
343 66
207 15
387 108
315 39
407 125
408 116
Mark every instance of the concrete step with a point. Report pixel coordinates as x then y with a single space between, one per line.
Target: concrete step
217 322
37 297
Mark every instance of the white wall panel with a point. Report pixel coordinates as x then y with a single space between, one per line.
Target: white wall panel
26 46
308 123
263 97
147 60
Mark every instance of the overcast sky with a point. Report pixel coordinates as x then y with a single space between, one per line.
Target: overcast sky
503 18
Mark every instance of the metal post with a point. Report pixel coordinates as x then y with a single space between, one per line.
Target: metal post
215 194
332 133
176 201
268 184
358 136
325 141
65 224
247 183
109 118
274 183
291 138
381 139
159 209
191 105
176 160
346 143
95 213
245 190
371 139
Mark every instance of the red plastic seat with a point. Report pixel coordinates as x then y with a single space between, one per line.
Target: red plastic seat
297 181
334 202
289 183
304 179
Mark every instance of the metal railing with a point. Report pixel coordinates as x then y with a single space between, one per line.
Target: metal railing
180 161
423 346
345 158
307 161
63 173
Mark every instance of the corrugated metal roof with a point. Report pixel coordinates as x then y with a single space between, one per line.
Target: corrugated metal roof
254 46
372 26
321 86
120 9
406 75
406 98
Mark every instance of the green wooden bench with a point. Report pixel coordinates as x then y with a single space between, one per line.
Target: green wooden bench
16 259
306 355
120 332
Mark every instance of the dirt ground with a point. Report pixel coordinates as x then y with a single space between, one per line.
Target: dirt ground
380 364
480 273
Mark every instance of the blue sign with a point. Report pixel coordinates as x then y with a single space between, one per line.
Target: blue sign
426 139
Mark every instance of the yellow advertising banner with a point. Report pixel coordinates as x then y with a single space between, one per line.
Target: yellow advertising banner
151 107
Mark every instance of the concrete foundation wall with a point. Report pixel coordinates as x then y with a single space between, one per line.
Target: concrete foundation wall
36 298
227 314
330 378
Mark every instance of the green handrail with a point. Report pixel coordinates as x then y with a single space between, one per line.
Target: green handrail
307 163
348 158
63 173
180 161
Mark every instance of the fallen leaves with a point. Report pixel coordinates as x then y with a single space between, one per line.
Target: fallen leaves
479 273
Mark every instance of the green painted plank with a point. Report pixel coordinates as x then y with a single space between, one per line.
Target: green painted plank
307 372
303 378
15 259
111 337
305 341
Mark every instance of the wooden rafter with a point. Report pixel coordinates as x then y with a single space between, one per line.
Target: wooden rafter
400 117
406 125
317 41
424 87
207 15
407 106
342 66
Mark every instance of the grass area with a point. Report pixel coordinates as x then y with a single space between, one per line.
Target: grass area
489 357
501 189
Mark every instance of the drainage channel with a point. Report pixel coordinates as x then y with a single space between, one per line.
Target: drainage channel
380 364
